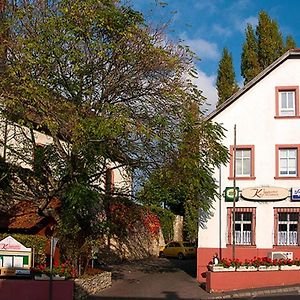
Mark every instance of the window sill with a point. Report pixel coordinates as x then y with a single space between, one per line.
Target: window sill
287 178
243 178
286 117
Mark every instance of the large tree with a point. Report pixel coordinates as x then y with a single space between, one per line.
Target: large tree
290 43
250 66
185 183
108 90
269 40
263 47
226 82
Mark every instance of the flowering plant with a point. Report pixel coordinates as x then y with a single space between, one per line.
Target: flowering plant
257 262
226 263
63 269
247 263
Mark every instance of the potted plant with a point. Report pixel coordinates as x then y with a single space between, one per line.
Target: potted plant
228 264
247 265
289 264
267 264
60 271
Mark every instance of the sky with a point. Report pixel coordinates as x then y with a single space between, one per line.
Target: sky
207 26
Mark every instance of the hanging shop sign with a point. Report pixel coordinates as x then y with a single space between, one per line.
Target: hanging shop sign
295 194
265 193
229 194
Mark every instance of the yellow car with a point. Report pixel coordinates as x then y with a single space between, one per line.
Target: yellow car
178 249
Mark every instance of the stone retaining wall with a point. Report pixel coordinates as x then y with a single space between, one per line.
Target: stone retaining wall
91 285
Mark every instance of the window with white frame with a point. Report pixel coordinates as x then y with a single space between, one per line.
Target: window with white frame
287 103
288 162
288 228
243 228
243 162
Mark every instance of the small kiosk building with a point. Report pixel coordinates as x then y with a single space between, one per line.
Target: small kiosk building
15 258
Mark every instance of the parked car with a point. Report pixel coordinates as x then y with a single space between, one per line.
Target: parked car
178 249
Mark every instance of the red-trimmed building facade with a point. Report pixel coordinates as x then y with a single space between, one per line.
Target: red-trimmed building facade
266 113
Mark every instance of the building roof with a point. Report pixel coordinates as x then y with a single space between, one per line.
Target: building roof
292 53
24 217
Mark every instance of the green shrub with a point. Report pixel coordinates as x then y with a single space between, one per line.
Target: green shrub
166 219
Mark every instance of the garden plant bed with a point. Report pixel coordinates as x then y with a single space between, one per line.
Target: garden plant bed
267 273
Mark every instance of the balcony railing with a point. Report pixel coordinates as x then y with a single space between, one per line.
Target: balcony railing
287 238
243 237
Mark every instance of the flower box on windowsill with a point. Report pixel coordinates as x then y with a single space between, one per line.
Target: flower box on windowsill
246 269
268 268
292 267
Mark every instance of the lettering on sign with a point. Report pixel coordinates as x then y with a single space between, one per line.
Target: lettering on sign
11 244
9 247
296 194
265 193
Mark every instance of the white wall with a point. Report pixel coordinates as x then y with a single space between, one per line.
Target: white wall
253 113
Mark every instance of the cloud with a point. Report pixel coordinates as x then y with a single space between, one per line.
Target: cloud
209 7
241 25
221 30
206 83
203 48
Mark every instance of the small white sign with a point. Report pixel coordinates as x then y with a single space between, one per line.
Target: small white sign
22 272
296 194
10 244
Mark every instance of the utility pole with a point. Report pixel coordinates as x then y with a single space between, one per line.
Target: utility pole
234 191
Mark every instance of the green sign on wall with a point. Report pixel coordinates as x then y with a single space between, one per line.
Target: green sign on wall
229 194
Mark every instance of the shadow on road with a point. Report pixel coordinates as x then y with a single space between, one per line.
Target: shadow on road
188 265
168 296
155 265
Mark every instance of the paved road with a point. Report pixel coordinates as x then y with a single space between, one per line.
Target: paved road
154 279
164 279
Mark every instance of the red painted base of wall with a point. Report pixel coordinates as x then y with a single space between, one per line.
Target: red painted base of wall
11 289
230 281
204 255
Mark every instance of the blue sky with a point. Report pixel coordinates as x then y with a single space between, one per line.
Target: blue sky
208 26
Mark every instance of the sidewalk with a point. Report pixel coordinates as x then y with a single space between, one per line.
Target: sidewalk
251 293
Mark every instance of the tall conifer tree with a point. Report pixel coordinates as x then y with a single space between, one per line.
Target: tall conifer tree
226 82
249 64
264 47
290 43
269 40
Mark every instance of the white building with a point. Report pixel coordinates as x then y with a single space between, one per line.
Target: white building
20 142
267 116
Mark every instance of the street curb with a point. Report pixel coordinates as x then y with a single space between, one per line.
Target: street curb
254 293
